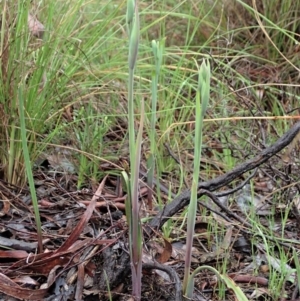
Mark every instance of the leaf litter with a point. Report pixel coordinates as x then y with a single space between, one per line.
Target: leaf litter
82 240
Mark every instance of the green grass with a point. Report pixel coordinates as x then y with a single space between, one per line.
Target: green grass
74 86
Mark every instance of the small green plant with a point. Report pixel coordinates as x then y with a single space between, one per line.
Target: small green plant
202 98
89 137
157 48
132 202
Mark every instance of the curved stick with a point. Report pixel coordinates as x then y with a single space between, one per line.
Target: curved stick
171 273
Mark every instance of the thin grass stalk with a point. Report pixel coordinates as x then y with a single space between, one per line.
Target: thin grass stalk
135 150
202 98
29 169
11 156
3 27
297 265
137 228
157 48
108 286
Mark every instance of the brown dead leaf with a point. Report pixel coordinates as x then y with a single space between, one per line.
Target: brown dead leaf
14 254
9 287
52 275
261 281
45 262
84 219
166 253
80 282
26 280
227 238
5 208
179 250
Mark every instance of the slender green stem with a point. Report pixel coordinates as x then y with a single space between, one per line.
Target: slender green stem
202 98
29 170
157 48
135 231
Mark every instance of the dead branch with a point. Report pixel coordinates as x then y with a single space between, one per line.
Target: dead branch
170 272
183 199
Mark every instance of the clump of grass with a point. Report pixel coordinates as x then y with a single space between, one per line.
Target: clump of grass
62 81
46 73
